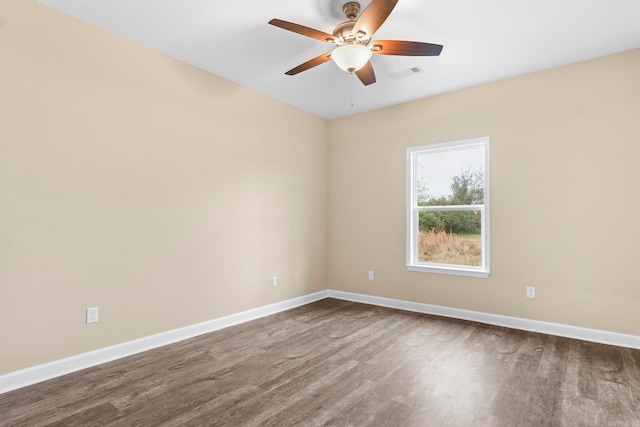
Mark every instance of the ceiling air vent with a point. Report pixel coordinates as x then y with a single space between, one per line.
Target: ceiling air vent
403 74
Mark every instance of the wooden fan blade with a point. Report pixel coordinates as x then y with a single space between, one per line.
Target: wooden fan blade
366 74
373 17
309 64
405 48
305 31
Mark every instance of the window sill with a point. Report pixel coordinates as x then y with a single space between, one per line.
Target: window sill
449 270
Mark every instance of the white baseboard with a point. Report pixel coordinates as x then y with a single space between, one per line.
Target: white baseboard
568 331
36 374
39 373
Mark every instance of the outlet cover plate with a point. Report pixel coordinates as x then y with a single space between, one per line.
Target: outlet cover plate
92 315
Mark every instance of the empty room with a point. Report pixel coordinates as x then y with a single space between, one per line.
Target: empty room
319 213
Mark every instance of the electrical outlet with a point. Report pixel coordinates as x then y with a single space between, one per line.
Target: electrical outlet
92 315
274 281
531 292
370 275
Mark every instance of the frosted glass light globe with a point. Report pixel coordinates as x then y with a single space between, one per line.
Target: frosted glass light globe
351 57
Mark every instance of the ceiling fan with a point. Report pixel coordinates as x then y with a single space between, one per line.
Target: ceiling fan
352 39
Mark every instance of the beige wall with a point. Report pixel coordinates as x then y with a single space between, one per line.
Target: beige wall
133 182
565 189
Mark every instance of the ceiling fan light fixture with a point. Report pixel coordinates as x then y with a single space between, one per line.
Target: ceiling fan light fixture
351 57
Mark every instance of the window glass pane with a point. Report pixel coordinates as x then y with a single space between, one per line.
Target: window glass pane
452 237
452 177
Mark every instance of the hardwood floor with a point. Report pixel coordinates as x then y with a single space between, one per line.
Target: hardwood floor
336 363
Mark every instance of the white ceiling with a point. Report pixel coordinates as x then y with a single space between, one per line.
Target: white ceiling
484 41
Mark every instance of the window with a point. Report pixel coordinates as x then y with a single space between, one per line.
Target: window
448 208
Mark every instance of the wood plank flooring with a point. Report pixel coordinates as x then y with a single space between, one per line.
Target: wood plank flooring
336 363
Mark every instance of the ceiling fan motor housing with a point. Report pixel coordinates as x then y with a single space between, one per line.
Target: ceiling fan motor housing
343 32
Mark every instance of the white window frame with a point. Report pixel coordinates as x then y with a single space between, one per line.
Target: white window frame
413 210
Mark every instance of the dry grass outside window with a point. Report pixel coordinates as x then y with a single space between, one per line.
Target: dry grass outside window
448 248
